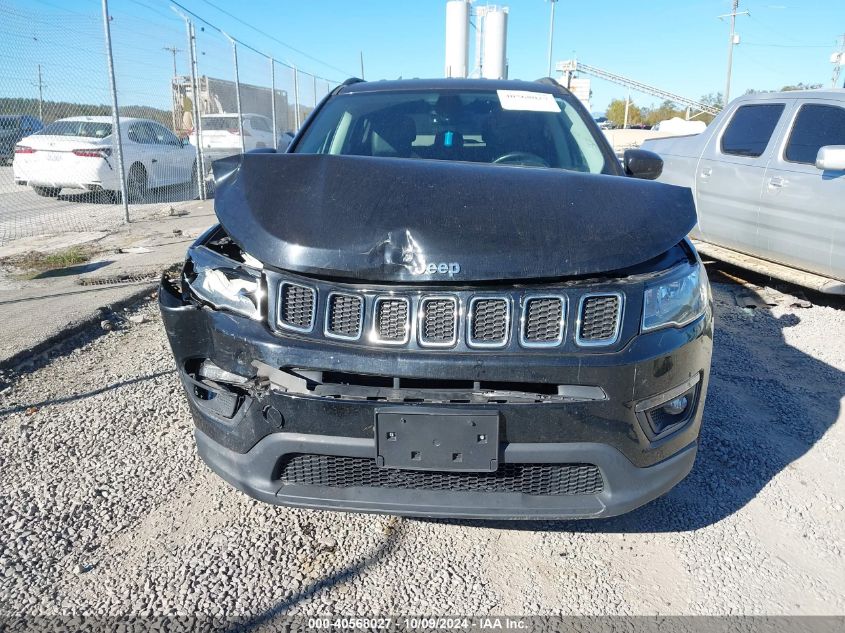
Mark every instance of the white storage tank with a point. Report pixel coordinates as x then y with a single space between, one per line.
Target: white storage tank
457 37
494 64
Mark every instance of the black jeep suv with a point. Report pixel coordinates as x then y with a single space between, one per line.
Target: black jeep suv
448 298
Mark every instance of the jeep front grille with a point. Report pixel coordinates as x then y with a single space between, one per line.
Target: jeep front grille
489 322
600 318
297 307
456 318
438 321
543 321
391 320
344 316
358 472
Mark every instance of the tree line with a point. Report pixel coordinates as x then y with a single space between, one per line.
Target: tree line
53 110
642 115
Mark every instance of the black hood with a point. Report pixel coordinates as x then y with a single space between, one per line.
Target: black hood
386 219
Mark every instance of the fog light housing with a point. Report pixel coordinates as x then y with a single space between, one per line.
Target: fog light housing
664 414
676 406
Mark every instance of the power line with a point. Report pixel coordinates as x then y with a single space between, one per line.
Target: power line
269 36
173 50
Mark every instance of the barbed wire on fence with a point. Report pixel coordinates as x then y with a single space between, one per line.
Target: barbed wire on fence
181 100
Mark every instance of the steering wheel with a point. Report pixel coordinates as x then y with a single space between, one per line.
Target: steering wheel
521 158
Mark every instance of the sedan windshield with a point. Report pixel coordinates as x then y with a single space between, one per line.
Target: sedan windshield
509 127
87 129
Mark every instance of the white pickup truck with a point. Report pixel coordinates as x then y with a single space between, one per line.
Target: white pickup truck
768 177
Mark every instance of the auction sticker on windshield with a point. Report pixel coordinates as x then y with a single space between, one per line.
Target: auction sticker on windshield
527 100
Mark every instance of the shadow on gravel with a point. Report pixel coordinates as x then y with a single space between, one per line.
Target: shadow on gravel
79 396
768 403
387 547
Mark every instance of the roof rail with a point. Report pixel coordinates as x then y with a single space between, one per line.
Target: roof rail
348 82
550 81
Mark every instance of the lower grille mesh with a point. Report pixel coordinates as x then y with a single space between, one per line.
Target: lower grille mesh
529 479
599 316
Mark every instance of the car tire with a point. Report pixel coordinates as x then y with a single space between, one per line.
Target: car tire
137 185
47 192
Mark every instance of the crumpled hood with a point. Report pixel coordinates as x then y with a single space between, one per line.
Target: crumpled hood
386 219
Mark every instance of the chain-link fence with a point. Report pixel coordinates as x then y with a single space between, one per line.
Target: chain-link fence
77 155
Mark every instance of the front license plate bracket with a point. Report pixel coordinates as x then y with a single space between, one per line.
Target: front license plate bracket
414 438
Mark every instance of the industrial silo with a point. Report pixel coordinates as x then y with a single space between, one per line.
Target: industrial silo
457 37
494 64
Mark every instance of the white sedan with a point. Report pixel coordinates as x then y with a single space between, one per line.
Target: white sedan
78 153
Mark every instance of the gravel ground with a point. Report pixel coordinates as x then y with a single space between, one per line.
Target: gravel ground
106 509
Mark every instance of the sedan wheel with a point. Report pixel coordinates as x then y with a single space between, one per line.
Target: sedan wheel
136 185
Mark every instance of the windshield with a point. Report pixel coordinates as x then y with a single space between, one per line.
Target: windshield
497 126
88 129
220 123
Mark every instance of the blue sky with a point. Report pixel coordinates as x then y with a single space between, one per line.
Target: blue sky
679 46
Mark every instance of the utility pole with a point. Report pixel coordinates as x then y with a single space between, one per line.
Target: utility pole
551 34
733 41
41 87
173 50
627 105
117 137
362 64
838 59
173 91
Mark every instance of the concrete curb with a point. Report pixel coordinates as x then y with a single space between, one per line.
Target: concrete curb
73 329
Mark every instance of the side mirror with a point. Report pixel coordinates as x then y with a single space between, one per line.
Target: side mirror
641 163
831 157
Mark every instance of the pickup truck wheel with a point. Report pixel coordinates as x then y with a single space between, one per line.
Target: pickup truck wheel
136 184
47 192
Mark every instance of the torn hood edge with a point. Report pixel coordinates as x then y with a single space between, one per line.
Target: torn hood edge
392 220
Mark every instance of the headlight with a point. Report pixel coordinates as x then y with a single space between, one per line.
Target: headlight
676 302
225 284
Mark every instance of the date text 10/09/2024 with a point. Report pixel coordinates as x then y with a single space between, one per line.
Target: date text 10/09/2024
492 623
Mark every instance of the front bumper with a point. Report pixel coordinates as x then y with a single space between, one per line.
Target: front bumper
626 486
249 448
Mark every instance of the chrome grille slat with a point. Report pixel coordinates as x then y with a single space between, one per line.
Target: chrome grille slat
542 321
344 316
599 319
297 306
489 322
391 324
438 321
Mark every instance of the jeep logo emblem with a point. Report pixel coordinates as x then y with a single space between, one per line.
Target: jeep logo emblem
442 268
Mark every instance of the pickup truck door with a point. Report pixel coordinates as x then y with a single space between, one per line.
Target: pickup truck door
729 177
802 211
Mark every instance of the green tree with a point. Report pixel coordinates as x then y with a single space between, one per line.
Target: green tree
616 112
665 110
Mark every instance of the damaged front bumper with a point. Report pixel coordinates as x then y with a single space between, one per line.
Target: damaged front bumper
591 446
